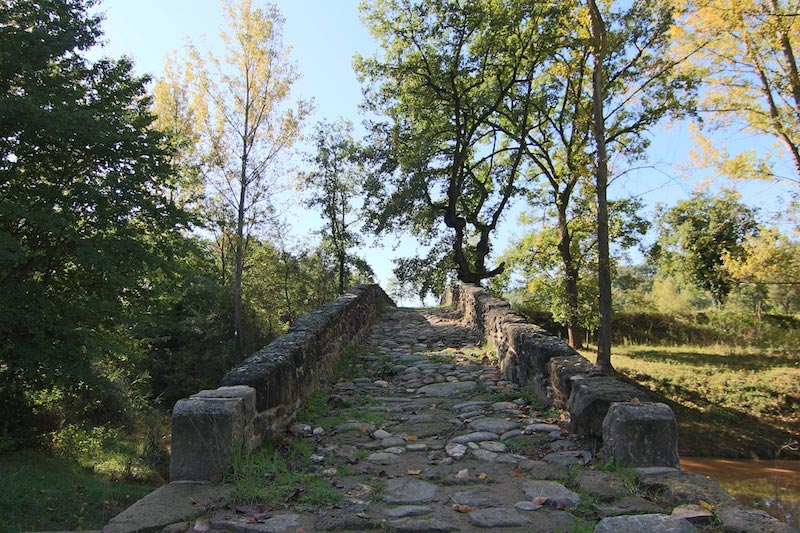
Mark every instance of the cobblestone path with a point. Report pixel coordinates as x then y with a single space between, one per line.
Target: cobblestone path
423 434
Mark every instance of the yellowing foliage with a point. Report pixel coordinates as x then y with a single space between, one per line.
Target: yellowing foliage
745 50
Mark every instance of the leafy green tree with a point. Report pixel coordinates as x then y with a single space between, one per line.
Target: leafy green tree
334 183
555 136
537 260
177 116
698 235
184 329
87 217
284 286
768 269
444 71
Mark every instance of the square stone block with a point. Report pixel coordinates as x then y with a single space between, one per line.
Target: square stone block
205 431
590 399
641 435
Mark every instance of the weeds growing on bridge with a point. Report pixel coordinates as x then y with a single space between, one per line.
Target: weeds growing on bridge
281 476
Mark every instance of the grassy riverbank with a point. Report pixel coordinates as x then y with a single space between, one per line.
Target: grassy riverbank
729 401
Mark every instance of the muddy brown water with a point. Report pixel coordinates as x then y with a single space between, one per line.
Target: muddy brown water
770 485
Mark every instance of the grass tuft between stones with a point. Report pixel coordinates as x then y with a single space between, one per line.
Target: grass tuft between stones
281 477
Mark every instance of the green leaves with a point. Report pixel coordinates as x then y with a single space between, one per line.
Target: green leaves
446 73
334 184
697 235
85 222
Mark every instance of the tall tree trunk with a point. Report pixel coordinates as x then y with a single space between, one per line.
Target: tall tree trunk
603 261
574 332
342 270
237 282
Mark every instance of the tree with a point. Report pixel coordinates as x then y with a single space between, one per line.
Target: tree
537 259
246 125
697 235
748 62
445 71
769 265
635 84
334 182
176 117
599 47
555 138
87 217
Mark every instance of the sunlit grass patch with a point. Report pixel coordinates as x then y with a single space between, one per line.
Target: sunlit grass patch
730 401
44 493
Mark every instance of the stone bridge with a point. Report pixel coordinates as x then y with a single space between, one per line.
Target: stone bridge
457 418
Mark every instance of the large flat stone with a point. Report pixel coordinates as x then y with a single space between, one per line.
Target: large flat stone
406 491
343 520
627 505
677 488
282 523
430 525
476 498
554 493
494 517
443 390
645 523
404 511
477 436
497 426
168 504
602 485
739 519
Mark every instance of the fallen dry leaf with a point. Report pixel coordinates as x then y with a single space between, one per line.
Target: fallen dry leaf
540 500
411 438
704 504
515 472
461 508
482 475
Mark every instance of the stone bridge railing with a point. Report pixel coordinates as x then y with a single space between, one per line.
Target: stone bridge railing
263 394
634 431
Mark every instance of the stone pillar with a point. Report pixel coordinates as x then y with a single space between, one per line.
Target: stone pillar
206 428
640 434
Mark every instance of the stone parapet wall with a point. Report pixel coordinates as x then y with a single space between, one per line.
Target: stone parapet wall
263 394
557 375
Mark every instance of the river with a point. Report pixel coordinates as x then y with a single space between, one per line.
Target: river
770 485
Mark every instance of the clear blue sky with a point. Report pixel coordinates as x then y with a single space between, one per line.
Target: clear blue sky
324 35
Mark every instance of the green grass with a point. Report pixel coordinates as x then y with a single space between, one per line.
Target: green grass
348 365
44 493
729 401
281 477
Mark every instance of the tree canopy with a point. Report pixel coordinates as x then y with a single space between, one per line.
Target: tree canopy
746 52
445 71
87 221
698 234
